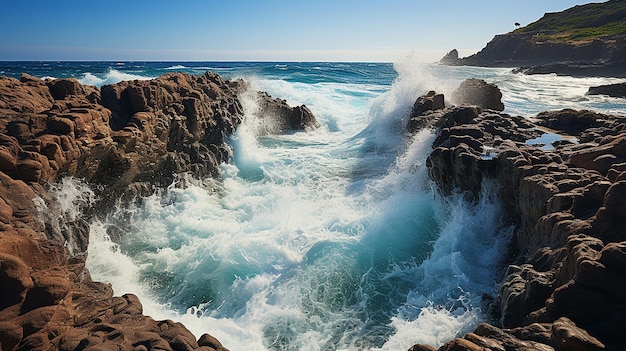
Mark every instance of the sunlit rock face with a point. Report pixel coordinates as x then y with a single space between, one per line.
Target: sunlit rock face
567 203
125 140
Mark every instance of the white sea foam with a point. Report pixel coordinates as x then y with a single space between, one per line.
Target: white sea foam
112 76
528 95
176 67
331 239
73 196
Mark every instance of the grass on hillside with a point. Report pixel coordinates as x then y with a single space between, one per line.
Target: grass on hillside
581 23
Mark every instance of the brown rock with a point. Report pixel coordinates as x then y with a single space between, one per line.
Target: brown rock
610 220
422 347
152 132
524 291
540 333
50 287
10 335
459 344
210 341
14 279
31 95
430 101
566 204
567 336
63 88
58 125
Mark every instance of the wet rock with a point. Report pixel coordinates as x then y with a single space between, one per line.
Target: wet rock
570 121
562 288
210 341
474 91
614 90
422 347
278 117
128 138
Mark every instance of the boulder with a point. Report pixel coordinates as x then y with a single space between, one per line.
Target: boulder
277 116
430 101
474 91
60 89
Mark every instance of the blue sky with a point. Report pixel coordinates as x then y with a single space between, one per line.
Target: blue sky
257 30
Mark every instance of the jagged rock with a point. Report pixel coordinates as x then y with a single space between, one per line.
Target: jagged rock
451 58
129 138
524 291
474 91
429 102
63 88
562 288
277 116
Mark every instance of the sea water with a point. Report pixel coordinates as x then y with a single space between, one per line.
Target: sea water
321 240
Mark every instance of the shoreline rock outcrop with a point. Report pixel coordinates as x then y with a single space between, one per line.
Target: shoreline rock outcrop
563 286
613 90
125 140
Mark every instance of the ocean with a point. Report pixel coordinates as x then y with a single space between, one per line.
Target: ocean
333 239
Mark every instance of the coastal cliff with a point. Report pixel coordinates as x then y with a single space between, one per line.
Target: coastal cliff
585 40
563 286
125 140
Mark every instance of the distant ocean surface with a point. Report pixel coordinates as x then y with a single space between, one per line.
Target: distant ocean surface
323 240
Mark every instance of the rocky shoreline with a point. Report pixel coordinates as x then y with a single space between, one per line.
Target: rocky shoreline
126 140
563 286
567 262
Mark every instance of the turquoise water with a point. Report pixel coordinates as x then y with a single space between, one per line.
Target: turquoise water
322 240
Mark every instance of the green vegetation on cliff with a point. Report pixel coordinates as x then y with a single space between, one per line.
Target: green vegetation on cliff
581 23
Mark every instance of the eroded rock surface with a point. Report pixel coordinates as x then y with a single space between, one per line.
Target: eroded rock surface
125 140
563 289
